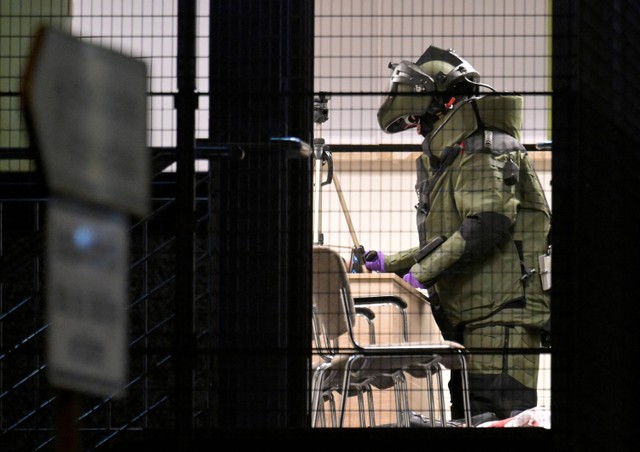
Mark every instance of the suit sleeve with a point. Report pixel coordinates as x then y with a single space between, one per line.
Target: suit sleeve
482 216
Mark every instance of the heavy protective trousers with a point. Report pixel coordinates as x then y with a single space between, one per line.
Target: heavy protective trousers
503 374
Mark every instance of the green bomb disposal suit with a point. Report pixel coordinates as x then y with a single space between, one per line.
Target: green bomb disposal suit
483 211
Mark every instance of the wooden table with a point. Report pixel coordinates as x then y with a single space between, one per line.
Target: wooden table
422 326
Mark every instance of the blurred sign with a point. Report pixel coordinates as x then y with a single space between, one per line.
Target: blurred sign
87 293
87 110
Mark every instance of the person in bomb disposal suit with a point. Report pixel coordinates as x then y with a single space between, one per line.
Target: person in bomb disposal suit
484 225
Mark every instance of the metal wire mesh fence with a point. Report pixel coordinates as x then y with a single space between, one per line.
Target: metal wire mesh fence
184 42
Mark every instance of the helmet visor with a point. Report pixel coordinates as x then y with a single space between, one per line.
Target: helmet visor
408 97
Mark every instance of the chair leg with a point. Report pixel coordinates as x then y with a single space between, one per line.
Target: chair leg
343 402
316 392
333 411
366 405
465 390
440 390
427 371
346 383
371 406
361 406
316 400
430 398
320 416
402 400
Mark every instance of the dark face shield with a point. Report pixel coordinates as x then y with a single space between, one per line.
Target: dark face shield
409 97
400 122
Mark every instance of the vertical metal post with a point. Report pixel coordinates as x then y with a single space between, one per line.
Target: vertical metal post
184 341
261 64
321 154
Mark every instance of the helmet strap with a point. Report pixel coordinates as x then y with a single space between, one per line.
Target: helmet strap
476 110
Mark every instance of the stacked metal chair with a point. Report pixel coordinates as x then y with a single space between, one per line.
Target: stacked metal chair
346 363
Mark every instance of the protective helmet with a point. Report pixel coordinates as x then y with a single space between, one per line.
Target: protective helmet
425 88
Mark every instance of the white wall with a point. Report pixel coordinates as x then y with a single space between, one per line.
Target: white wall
508 42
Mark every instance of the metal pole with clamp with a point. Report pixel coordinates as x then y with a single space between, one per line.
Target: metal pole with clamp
322 153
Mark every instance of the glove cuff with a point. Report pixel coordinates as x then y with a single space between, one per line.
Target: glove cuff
413 281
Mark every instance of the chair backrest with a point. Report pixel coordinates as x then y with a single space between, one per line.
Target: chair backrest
333 304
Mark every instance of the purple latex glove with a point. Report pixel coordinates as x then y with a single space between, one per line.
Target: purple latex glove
413 281
374 261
